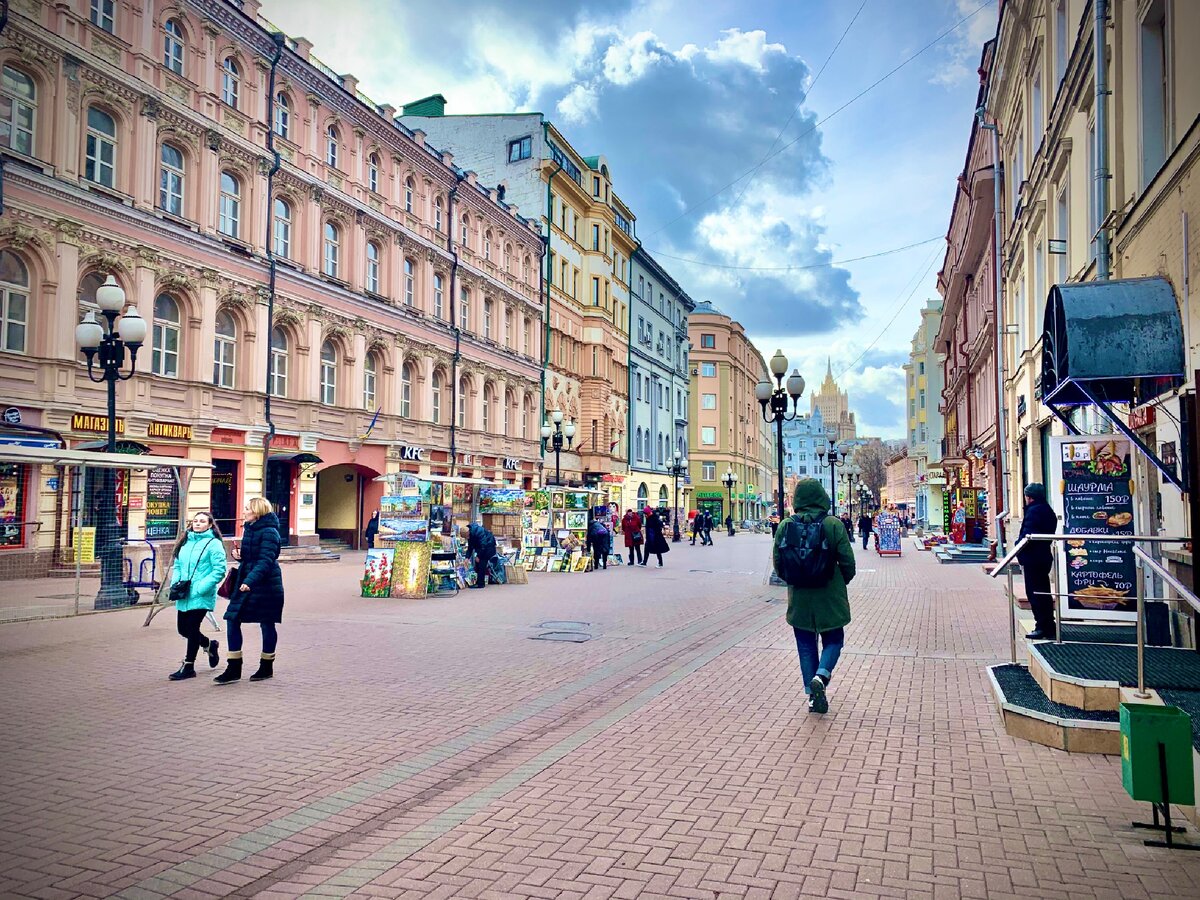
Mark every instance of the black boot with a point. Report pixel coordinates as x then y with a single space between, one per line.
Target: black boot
266 668
232 673
186 670
213 659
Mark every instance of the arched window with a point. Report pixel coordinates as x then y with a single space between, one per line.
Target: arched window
488 400
283 229
224 350
437 214
643 495
526 269
408 194
370 380
508 258
464 310
436 408
173 46
506 412
170 180
230 81
438 296
230 212
18 106
406 374
487 319
373 173
487 245
372 267
466 229
101 165
165 339
526 413
14 302
283 115
333 238
279 363
462 402
410 275
329 363
331 146
664 498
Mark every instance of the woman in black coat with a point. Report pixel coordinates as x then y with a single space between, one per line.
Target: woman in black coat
258 596
655 542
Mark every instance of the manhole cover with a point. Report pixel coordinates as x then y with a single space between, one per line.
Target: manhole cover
562 626
571 637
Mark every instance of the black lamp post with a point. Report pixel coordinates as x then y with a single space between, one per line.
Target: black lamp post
552 438
776 398
833 458
729 479
106 350
678 470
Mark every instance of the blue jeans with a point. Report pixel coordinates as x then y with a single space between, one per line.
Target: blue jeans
810 663
233 630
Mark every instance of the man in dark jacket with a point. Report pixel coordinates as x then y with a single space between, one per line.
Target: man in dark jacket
864 528
481 546
1036 558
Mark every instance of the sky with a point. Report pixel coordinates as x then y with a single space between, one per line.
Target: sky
736 133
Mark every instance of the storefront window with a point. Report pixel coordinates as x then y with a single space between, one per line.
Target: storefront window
12 505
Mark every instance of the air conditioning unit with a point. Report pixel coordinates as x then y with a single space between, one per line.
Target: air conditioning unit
695 371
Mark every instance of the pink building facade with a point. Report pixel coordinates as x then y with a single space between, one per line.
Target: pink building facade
407 331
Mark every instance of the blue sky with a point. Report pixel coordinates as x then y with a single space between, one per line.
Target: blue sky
685 99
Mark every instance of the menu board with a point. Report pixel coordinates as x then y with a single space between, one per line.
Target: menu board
888 527
162 503
1096 497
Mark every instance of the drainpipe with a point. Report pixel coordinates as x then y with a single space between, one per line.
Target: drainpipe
545 290
3 25
278 39
1100 186
452 246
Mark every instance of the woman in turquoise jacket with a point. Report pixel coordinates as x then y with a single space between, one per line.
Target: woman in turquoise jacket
200 560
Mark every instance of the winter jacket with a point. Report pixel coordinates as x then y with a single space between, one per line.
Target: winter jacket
655 542
820 608
481 543
598 537
202 559
631 527
864 524
1039 518
259 570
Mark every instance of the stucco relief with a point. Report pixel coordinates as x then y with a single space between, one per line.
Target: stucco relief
105 50
20 236
287 315
107 262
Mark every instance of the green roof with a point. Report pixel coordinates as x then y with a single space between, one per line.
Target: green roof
433 105
592 162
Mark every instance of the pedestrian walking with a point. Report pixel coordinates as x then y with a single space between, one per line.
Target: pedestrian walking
1036 558
815 557
598 542
709 522
864 528
656 543
197 572
631 528
849 523
372 529
258 591
696 523
481 547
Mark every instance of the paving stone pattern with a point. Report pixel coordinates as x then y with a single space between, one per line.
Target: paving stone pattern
430 749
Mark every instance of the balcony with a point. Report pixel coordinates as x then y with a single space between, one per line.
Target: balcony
954 448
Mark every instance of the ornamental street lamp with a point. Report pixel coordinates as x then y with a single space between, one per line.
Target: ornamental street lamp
106 350
777 399
677 471
729 479
552 438
833 458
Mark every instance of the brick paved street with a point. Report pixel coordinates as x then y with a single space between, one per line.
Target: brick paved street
431 749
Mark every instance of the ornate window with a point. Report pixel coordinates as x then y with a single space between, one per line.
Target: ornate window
466 229
165 339
14 302
277 383
170 181
333 239
224 350
283 115
101 165
409 281
173 46
487 245
527 336
437 214
283 229
436 409
230 210
508 258
408 194
102 14
18 104
464 310
370 380
526 269
331 146
487 318
526 413
438 296
373 173
489 397
329 362
462 402
231 79
406 391
372 267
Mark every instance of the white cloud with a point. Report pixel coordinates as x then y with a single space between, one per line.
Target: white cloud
964 48
750 48
578 105
629 59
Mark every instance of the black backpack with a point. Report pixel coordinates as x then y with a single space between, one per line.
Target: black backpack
805 558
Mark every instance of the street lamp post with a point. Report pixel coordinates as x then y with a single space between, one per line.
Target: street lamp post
833 458
729 480
774 403
677 470
552 438
105 350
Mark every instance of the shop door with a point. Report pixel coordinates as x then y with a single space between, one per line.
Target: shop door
223 495
279 492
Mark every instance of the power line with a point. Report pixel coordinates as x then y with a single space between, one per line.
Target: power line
821 122
836 262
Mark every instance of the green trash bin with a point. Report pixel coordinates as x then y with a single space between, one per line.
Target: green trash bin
1143 727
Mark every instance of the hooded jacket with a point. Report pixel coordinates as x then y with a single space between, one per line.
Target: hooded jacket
201 559
259 571
828 607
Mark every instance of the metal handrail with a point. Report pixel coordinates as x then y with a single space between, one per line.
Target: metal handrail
1165 574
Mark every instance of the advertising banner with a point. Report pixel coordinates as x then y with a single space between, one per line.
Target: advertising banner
162 504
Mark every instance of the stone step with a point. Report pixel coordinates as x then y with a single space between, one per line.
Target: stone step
1032 716
1091 675
307 554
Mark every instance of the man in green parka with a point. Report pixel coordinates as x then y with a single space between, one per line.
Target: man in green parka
823 611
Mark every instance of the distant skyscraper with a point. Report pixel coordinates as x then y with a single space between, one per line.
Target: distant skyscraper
834 405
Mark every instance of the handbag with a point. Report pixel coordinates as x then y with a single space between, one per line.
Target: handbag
229 584
182 589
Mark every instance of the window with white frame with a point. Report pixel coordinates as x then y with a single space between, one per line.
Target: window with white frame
526 408
224 350
173 46
370 380
373 173
170 180
333 241
230 81
277 383
466 229
708 471
372 267
439 296
102 14
283 115
708 435
101 163
408 194
462 402
331 146
436 408
329 363
487 245
708 370
437 214
504 413
488 399
283 229
14 302
508 258
164 359
18 107
708 401
464 310
487 318
230 206
526 337
410 279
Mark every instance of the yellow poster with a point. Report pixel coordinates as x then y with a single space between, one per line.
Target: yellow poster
85 545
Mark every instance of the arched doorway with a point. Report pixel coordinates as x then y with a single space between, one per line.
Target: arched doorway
347 496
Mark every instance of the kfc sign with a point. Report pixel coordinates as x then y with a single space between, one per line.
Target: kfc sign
411 454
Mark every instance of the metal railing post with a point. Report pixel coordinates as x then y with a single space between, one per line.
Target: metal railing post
1142 693
1012 620
1054 594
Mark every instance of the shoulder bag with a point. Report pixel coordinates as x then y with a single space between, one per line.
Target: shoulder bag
182 588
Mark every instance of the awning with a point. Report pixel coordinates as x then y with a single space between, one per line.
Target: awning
299 458
132 448
1111 342
49 457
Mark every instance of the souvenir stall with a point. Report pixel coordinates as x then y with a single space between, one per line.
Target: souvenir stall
554 528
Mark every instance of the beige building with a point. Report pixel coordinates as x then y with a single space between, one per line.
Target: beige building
834 404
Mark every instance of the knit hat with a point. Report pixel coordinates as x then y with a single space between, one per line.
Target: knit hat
1036 491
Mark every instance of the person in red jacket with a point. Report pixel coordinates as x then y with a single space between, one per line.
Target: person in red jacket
631 527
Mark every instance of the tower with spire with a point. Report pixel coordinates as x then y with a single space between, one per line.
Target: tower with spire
834 405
